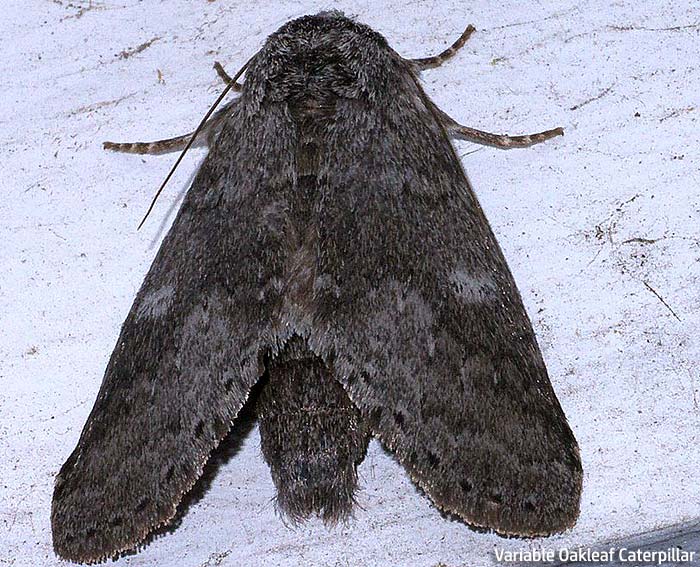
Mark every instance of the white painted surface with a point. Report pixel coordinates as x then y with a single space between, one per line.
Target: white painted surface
590 224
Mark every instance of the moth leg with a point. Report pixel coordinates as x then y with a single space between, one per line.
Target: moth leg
437 60
205 137
498 140
154 148
226 78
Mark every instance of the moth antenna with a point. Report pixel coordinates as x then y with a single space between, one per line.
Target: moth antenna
502 141
211 110
437 60
226 78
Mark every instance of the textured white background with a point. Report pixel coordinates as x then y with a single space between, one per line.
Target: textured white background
589 223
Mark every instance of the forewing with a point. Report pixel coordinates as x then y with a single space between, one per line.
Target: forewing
187 354
429 332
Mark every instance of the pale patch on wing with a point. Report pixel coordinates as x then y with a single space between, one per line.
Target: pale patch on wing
156 303
475 288
212 338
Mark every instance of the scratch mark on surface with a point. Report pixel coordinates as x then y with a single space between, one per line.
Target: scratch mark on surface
661 299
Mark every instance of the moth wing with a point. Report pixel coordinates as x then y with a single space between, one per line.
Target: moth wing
430 335
184 363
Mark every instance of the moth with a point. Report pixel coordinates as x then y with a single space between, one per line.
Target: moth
331 253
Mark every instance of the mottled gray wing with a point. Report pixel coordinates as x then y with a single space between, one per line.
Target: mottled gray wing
188 353
427 326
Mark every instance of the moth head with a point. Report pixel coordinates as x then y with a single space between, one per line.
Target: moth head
314 60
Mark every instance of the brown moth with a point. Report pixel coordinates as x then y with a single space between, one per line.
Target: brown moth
332 252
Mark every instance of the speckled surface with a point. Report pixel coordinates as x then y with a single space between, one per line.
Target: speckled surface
600 229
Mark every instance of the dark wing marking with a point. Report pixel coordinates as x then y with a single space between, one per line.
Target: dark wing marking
188 353
429 332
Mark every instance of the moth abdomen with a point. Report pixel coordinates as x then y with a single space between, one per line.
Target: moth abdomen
312 435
